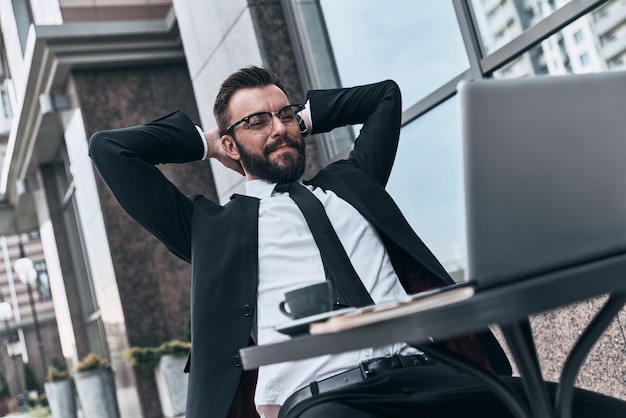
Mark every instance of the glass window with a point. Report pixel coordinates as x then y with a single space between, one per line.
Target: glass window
427 183
23 19
584 59
4 67
593 43
5 102
43 284
416 43
579 36
499 21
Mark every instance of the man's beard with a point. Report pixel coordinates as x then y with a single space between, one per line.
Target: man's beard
262 167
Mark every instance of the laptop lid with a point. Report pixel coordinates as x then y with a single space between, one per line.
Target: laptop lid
545 173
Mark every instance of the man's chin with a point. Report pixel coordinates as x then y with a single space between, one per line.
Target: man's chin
290 168
283 164
283 156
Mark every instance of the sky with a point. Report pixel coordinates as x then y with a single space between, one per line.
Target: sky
418 44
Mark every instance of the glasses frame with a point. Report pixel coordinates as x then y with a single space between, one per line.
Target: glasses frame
232 126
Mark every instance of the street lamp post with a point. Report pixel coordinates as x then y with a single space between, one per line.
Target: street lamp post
27 274
6 312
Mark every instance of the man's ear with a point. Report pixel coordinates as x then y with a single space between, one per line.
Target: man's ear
228 143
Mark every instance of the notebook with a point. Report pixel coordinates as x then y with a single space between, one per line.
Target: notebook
545 173
347 318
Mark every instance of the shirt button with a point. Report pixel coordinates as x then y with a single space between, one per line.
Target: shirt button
247 310
236 360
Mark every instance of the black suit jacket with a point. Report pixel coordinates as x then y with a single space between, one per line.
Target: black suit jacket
220 242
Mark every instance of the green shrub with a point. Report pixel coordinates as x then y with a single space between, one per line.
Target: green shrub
147 358
142 357
91 361
57 371
55 374
175 347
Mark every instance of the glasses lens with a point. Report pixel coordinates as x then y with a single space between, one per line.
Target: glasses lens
287 114
260 121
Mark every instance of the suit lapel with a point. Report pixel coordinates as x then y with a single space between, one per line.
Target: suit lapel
328 181
249 209
373 202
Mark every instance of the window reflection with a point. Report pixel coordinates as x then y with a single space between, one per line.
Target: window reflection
43 282
499 21
416 43
427 183
595 42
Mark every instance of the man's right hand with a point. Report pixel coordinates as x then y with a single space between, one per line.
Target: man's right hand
216 150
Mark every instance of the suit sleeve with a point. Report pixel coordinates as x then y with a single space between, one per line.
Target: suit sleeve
378 107
126 159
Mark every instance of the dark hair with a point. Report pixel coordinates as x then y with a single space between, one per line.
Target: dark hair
247 77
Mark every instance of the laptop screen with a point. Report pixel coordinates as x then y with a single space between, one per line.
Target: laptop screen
545 173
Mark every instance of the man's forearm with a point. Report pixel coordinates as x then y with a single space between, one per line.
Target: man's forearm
126 160
378 107
171 139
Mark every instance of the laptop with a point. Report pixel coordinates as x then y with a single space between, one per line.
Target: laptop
545 173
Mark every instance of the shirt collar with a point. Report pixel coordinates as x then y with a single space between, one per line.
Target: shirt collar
260 189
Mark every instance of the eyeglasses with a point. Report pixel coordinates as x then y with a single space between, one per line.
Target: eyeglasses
261 123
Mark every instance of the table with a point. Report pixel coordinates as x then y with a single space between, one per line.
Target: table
508 305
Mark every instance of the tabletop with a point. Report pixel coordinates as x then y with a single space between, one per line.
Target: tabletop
503 304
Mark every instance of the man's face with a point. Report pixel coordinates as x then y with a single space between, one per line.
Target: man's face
277 156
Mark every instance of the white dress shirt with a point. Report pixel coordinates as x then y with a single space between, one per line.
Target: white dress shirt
289 259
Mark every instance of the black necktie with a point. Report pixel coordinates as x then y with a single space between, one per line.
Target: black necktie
339 269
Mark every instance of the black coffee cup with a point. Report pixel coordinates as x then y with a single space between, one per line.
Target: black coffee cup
307 301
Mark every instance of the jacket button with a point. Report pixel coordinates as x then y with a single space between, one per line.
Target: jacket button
236 361
247 310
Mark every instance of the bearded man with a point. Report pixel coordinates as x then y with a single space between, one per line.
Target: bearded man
247 254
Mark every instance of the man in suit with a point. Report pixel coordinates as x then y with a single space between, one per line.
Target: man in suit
247 254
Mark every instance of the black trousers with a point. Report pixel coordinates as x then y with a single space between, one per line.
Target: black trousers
436 391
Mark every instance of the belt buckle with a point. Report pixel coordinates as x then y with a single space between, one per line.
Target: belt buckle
383 364
365 369
396 361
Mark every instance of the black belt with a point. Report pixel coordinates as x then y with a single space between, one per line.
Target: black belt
366 370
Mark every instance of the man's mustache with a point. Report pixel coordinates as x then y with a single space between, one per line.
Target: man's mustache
269 148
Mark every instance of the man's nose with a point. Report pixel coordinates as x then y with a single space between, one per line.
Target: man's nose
278 127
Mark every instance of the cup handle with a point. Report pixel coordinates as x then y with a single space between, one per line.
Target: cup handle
281 306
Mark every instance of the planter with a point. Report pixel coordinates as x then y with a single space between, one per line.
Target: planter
96 392
61 398
171 384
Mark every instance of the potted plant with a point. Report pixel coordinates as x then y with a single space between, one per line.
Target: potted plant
95 385
167 362
60 393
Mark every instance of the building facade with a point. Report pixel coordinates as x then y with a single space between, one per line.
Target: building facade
69 68
30 334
